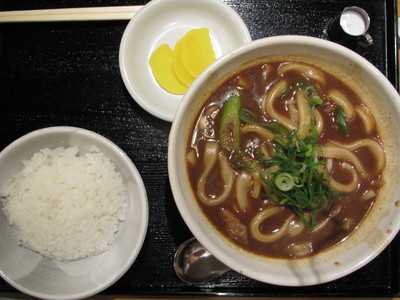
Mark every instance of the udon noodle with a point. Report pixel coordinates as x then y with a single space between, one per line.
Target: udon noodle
285 159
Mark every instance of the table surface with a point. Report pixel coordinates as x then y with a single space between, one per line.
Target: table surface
53 75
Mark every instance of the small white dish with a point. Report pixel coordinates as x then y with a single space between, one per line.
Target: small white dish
165 21
43 278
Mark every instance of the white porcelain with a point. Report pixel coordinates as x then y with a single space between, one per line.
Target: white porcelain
43 278
165 21
374 233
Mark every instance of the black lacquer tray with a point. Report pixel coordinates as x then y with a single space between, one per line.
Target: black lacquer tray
67 74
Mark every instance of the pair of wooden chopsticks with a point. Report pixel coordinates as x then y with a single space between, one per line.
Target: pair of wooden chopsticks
70 14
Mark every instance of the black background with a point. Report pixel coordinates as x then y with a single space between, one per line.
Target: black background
67 74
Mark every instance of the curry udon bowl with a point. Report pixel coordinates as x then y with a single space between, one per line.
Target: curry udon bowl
376 229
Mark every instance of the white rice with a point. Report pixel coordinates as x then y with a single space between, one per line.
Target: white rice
65 204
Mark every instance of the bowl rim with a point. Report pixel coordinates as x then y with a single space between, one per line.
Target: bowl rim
142 197
174 139
137 96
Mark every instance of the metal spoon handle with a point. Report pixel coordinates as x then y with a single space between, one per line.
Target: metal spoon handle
195 264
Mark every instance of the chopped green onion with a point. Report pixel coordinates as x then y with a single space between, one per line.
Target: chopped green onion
341 120
284 182
292 176
303 187
308 150
312 96
276 128
313 220
262 159
298 182
315 101
280 140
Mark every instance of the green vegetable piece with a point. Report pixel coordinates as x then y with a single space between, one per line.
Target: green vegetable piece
229 130
341 120
312 96
246 116
284 182
276 128
313 220
315 101
280 140
261 159
310 91
308 150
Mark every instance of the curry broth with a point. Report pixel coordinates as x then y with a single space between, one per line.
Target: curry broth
252 84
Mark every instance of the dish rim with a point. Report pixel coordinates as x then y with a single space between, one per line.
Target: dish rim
137 96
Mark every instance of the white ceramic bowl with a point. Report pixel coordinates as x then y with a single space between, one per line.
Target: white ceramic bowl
374 233
165 21
42 278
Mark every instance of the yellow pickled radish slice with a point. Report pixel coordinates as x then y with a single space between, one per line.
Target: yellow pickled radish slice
161 63
197 51
180 71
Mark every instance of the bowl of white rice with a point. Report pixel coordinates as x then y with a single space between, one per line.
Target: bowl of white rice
73 213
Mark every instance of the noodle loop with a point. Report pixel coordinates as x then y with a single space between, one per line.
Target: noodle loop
319 121
374 147
228 177
304 115
333 151
243 183
262 132
306 71
261 217
270 97
345 187
366 117
342 101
